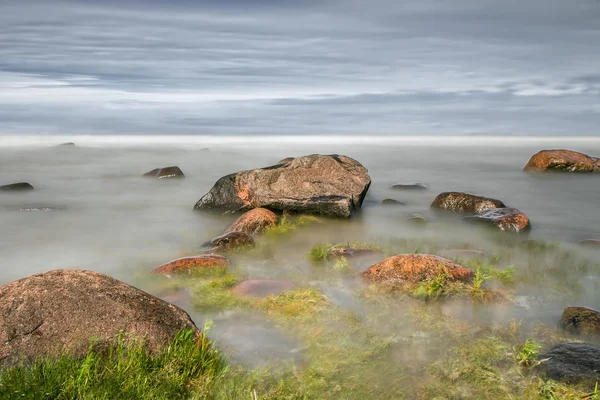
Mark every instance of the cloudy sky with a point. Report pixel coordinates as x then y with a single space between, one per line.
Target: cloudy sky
448 67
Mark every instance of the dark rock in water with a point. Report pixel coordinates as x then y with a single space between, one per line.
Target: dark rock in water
257 220
164 173
464 202
392 202
229 241
405 270
351 252
68 144
581 321
571 363
562 160
411 186
330 185
505 219
417 219
263 288
16 187
60 311
188 265
590 242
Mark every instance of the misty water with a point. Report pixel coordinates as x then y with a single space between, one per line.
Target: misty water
92 210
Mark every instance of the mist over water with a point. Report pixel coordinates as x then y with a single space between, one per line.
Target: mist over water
104 217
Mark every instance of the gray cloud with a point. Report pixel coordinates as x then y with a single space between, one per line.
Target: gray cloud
234 67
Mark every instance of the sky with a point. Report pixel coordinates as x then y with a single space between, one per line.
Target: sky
360 67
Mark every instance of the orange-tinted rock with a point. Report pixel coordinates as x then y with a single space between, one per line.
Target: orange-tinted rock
257 220
16 187
581 321
165 173
505 219
350 252
263 287
229 241
562 160
414 268
464 202
187 265
332 185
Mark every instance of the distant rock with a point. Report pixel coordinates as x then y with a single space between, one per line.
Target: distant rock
581 321
392 202
16 187
189 265
571 363
505 219
351 252
417 219
165 173
405 270
410 186
68 144
256 220
263 288
331 185
229 241
60 311
464 202
562 160
590 242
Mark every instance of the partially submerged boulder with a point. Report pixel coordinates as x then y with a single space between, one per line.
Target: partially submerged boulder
188 265
581 321
409 186
571 363
331 185
229 241
16 187
505 219
60 311
263 288
464 202
562 160
165 173
257 220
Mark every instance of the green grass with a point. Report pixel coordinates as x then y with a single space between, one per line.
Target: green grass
290 223
321 252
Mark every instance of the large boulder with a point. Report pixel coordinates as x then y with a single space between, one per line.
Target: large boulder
464 202
562 160
505 219
165 173
60 311
16 187
189 265
257 220
581 321
405 270
331 185
571 363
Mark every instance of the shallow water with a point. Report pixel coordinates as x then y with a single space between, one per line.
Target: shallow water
101 215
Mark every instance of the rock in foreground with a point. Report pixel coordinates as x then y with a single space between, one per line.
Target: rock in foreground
331 185
562 160
16 187
188 265
505 219
464 202
581 321
571 363
257 220
165 173
60 311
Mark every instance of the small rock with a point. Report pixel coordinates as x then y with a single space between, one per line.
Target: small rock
190 264
229 241
505 219
412 186
562 160
464 202
14 187
417 219
68 144
165 173
392 202
571 363
590 242
263 288
257 220
350 252
581 321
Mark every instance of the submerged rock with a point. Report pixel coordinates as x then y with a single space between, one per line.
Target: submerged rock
417 219
68 144
60 311
464 202
350 252
590 242
562 160
16 187
571 363
165 173
407 269
411 186
581 321
392 202
229 241
187 265
331 185
505 219
257 220
263 287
